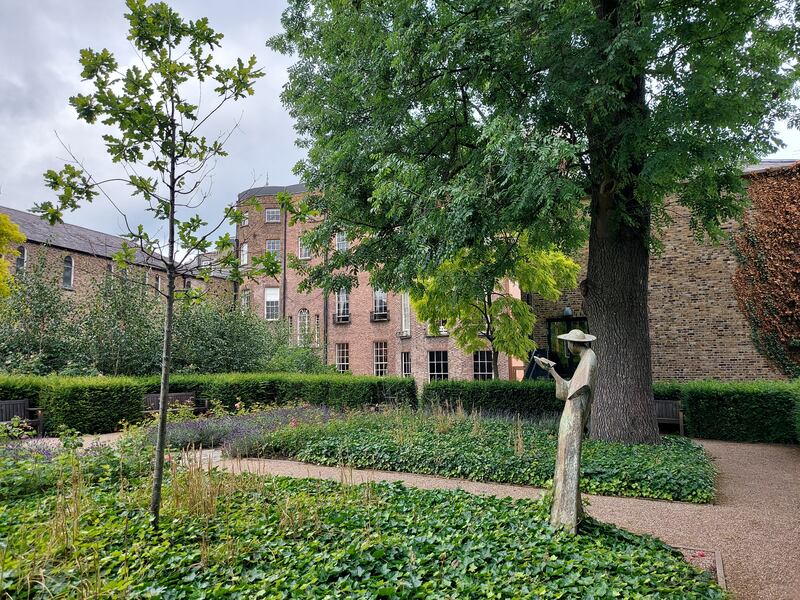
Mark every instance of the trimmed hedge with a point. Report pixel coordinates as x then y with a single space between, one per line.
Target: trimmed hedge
336 391
98 404
91 404
530 399
759 411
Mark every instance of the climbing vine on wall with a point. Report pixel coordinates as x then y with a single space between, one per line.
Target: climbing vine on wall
767 279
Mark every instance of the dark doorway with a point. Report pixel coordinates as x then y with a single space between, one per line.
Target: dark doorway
557 349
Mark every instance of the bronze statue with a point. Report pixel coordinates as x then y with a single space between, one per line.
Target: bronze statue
567 509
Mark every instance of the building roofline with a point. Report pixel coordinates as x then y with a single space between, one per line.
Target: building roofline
272 190
771 164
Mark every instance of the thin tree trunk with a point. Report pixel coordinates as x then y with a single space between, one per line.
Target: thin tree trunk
166 355
495 365
163 402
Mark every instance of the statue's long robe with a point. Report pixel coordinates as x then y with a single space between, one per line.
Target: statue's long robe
577 395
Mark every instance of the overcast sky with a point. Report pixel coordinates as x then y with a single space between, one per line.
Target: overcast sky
40 42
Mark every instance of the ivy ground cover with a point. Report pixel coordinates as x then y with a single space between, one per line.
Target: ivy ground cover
487 449
246 536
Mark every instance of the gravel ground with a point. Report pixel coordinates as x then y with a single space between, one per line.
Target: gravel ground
755 523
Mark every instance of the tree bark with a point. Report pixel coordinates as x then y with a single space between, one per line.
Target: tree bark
166 354
495 364
616 300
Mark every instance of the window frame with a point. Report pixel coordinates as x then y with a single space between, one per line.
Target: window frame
272 211
405 364
276 252
68 260
303 324
21 261
380 350
435 363
303 253
342 352
482 358
342 244
405 315
244 254
342 313
268 291
245 298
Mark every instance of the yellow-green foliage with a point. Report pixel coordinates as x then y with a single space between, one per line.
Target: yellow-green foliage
10 238
473 297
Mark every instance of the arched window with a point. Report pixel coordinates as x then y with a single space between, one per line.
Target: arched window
67 275
22 258
302 324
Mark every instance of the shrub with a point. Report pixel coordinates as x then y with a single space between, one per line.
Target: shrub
91 404
98 404
527 398
760 411
335 391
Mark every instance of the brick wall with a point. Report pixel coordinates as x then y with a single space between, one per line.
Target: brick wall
360 334
696 328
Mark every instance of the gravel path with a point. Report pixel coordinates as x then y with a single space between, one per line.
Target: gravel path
755 523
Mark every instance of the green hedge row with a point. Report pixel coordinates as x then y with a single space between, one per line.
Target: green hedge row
760 411
98 404
531 399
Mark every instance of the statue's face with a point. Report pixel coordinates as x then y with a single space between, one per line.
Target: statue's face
574 347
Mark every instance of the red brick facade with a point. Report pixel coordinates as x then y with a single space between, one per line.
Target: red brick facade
361 332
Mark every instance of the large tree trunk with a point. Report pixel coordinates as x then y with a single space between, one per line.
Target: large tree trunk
615 291
616 304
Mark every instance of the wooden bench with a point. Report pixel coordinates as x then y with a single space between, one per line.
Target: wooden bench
669 412
23 410
174 402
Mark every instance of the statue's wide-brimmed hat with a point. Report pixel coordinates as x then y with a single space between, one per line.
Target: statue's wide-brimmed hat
576 335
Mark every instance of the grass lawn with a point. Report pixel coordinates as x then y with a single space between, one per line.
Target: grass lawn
471 447
245 536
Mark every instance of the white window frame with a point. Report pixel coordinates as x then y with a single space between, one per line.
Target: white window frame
438 365
405 314
380 302
342 303
246 219
276 252
272 295
271 212
244 300
68 268
341 241
244 257
380 359
303 318
405 365
303 253
343 357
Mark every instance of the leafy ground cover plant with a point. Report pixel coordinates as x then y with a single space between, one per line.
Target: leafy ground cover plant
245 536
489 449
31 467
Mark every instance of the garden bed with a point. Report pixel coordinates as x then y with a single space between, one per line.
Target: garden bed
459 445
243 536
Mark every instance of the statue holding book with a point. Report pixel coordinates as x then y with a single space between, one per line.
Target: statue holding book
567 509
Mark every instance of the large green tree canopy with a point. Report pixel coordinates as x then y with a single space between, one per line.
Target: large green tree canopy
436 125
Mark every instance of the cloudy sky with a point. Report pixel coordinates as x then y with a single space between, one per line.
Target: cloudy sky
40 43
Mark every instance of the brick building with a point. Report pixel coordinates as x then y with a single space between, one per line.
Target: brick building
696 326
83 256
366 331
